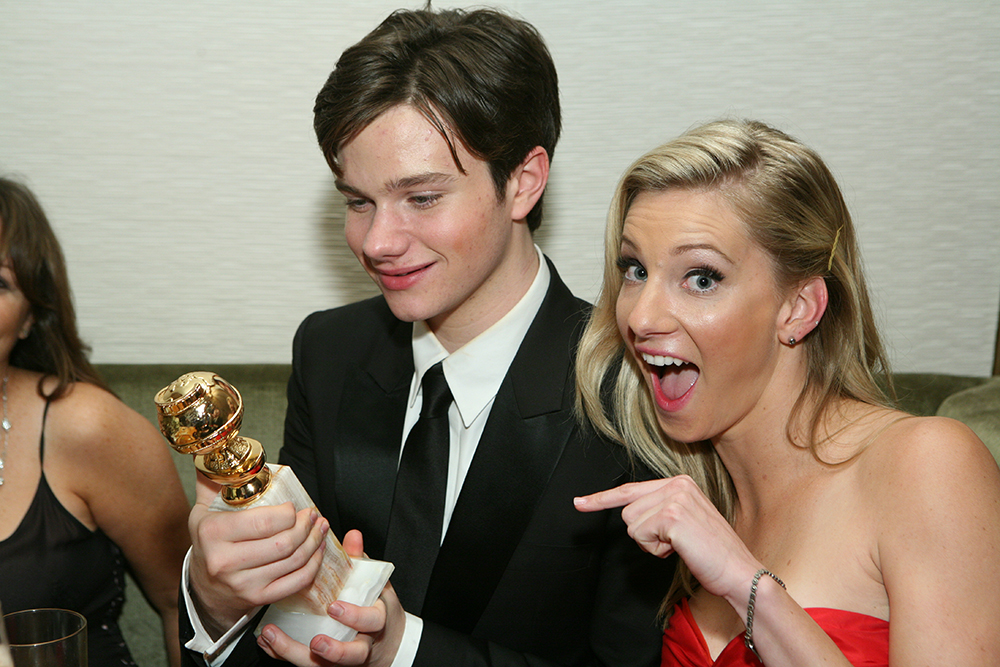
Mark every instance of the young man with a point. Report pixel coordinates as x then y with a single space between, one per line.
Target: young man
439 127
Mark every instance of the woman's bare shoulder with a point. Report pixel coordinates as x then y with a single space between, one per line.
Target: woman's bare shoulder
910 444
927 464
88 418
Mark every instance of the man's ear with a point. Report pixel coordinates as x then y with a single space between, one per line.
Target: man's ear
528 181
803 310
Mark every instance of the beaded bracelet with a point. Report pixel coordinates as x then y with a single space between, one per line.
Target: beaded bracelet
748 637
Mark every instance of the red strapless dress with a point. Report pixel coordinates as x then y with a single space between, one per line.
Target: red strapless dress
863 639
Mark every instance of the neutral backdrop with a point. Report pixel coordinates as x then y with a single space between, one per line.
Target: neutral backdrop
171 143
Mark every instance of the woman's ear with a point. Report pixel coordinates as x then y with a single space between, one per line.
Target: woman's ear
25 331
803 310
528 181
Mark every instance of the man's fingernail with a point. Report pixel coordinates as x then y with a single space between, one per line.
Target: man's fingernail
266 636
336 610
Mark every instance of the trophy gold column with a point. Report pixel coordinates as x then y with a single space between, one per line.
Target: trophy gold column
201 414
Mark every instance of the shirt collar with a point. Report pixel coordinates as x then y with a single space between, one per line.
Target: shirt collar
476 370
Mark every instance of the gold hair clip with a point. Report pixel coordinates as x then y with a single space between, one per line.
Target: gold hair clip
829 265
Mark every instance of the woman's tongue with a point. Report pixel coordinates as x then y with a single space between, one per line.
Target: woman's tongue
676 380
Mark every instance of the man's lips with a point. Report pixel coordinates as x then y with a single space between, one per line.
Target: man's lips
401 278
674 377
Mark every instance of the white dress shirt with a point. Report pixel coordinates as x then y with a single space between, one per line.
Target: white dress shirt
474 373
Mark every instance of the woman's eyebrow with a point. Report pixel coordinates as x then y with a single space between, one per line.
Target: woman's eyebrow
689 247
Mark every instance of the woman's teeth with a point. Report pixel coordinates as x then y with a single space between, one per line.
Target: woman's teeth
660 360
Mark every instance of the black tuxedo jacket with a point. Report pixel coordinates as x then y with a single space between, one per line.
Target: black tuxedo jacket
521 577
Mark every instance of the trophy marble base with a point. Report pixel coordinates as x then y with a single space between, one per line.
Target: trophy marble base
303 615
363 586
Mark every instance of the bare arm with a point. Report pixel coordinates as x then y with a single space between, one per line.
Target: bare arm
939 547
118 469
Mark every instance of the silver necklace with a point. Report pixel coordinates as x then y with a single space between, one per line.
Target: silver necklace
6 429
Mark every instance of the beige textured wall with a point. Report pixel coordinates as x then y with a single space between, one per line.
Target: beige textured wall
171 144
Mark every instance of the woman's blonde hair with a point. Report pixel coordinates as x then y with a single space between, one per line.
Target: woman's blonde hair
794 210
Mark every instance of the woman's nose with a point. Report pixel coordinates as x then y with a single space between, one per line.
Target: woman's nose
650 311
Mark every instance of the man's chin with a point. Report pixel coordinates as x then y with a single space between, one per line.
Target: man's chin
406 309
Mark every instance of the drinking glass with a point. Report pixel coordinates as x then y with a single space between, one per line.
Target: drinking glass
5 659
47 638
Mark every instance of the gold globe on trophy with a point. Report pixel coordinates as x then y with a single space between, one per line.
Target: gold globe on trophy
201 414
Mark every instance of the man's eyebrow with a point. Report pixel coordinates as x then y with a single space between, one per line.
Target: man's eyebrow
346 189
427 178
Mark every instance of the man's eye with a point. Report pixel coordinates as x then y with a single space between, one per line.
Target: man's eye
423 201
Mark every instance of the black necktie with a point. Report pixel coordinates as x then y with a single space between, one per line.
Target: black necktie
417 515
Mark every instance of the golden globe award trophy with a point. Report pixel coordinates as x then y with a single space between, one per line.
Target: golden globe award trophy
201 414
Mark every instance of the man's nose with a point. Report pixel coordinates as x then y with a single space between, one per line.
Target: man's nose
386 236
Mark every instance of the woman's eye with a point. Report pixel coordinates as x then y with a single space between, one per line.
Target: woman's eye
703 280
636 272
632 270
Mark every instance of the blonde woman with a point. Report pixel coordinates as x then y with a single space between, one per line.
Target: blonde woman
733 349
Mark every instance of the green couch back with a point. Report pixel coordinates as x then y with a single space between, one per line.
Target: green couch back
976 401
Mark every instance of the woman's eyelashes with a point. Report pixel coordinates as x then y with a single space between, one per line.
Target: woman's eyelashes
631 269
703 279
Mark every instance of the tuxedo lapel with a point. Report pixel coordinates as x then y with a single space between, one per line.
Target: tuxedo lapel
369 429
528 427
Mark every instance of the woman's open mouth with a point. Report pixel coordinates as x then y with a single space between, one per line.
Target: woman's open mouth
674 378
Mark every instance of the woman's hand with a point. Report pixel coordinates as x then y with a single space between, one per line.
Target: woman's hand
673 515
